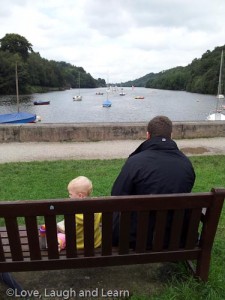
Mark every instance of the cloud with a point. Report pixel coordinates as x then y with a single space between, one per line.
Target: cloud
120 39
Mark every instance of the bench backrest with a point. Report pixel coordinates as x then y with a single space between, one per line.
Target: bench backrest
20 250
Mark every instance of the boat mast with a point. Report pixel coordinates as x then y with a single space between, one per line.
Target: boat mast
107 87
220 76
79 82
17 90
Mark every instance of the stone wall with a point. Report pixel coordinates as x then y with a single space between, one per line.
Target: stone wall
87 132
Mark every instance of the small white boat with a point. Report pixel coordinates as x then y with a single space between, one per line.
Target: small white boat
122 92
217 116
78 97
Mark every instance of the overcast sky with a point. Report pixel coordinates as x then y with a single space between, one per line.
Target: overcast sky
117 40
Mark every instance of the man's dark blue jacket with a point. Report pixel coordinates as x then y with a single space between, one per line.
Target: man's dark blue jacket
157 166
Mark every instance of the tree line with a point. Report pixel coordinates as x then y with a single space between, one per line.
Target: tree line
200 76
37 74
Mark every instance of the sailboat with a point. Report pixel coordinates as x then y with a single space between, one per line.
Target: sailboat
121 91
107 102
218 115
19 117
78 97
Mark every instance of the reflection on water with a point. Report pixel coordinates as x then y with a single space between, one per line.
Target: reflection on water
177 105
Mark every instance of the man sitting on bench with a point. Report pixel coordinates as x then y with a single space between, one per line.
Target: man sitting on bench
157 166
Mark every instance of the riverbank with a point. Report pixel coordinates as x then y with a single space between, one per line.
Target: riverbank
20 152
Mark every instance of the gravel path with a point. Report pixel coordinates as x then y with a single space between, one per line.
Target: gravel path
15 152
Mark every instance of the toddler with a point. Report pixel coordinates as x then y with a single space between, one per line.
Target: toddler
81 187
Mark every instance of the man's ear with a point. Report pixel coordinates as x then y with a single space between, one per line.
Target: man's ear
148 135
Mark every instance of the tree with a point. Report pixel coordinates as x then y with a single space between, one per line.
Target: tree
15 43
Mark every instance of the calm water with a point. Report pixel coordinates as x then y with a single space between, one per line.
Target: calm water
177 105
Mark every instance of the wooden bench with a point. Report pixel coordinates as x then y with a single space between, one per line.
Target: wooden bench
19 244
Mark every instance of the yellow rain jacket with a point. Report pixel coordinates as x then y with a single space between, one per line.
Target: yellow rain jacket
80 230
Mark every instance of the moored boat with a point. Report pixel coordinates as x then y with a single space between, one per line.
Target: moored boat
77 98
41 102
19 117
139 97
217 116
107 103
122 93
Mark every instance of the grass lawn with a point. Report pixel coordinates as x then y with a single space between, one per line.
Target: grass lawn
48 180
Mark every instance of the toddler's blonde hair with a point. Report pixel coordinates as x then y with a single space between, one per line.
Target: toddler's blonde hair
81 184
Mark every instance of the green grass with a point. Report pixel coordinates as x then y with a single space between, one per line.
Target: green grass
48 180
43 180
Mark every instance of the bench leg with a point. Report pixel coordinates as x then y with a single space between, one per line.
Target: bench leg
203 264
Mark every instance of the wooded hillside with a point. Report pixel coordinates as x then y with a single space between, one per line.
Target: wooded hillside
35 73
200 76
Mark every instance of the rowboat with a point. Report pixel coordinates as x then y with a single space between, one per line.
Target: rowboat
41 102
139 97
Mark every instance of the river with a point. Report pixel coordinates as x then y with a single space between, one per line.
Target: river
177 105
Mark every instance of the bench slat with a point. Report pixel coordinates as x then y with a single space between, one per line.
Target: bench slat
124 235
176 229
101 261
70 231
89 234
105 204
160 228
107 225
2 255
33 237
51 234
192 234
14 238
142 231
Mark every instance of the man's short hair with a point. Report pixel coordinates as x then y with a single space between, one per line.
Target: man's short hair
160 126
